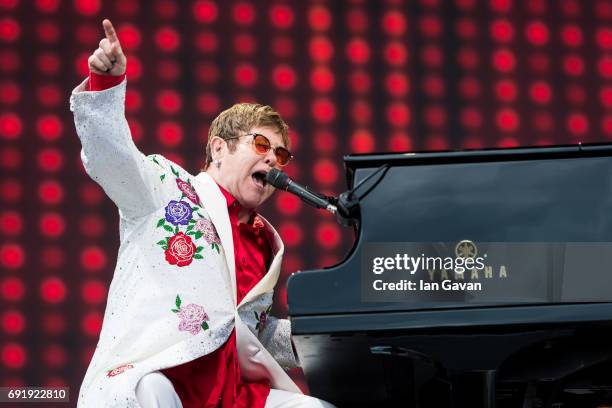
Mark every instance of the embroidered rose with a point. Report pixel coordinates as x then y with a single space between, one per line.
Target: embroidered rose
187 189
178 212
258 223
206 227
192 317
181 250
119 370
262 318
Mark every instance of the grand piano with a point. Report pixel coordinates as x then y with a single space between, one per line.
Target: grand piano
539 331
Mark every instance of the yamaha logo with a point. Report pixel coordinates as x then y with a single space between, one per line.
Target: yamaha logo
466 249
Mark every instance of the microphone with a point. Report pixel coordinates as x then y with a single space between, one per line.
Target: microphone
282 181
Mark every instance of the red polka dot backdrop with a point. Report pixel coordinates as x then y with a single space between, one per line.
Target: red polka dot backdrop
349 76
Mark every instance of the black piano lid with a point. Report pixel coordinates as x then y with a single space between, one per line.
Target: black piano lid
364 160
533 194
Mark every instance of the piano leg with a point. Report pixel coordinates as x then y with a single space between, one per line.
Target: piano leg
488 379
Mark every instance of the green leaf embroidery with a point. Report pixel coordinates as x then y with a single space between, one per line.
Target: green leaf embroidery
216 247
192 221
198 235
256 315
201 216
162 177
199 249
189 181
162 242
176 230
190 232
175 310
195 208
189 227
176 173
177 302
168 228
198 256
205 325
161 222
164 247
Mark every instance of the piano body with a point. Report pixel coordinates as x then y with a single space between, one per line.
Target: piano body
537 335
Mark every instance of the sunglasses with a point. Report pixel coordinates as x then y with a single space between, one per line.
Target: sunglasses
262 145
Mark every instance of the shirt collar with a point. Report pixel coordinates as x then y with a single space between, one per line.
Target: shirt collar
233 205
228 197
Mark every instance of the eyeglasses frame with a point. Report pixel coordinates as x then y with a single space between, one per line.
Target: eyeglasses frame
291 156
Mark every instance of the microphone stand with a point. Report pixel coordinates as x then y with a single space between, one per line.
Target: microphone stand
345 207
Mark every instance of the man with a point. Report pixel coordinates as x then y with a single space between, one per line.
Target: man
186 322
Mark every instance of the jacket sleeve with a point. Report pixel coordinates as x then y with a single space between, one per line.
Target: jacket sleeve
109 154
276 338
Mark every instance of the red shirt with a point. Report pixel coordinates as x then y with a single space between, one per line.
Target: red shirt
214 379
102 82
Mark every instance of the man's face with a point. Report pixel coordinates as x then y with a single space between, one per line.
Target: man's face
243 170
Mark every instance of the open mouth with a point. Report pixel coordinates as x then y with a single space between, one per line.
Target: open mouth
259 177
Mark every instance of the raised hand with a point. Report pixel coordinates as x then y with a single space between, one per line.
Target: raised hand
109 58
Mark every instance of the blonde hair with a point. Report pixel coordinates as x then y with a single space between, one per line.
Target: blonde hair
241 118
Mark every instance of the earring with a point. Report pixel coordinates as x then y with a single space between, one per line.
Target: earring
218 163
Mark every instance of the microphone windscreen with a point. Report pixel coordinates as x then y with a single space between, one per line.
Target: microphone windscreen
277 178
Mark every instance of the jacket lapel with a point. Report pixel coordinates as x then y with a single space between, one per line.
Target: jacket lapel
215 204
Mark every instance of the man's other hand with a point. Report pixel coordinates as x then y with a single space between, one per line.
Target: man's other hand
109 58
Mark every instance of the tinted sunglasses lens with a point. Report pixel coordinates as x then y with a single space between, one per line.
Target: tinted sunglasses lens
262 144
282 155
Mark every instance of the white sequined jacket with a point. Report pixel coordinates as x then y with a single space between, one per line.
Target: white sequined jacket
173 294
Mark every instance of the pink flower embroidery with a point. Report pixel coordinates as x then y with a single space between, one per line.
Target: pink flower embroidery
187 189
193 318
206 227
119 370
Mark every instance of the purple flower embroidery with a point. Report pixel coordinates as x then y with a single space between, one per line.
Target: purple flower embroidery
178 212
206 227
193 317
187 189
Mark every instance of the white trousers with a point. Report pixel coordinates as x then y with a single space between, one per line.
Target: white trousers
155 390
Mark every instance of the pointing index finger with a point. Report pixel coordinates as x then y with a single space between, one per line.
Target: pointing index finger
109 30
